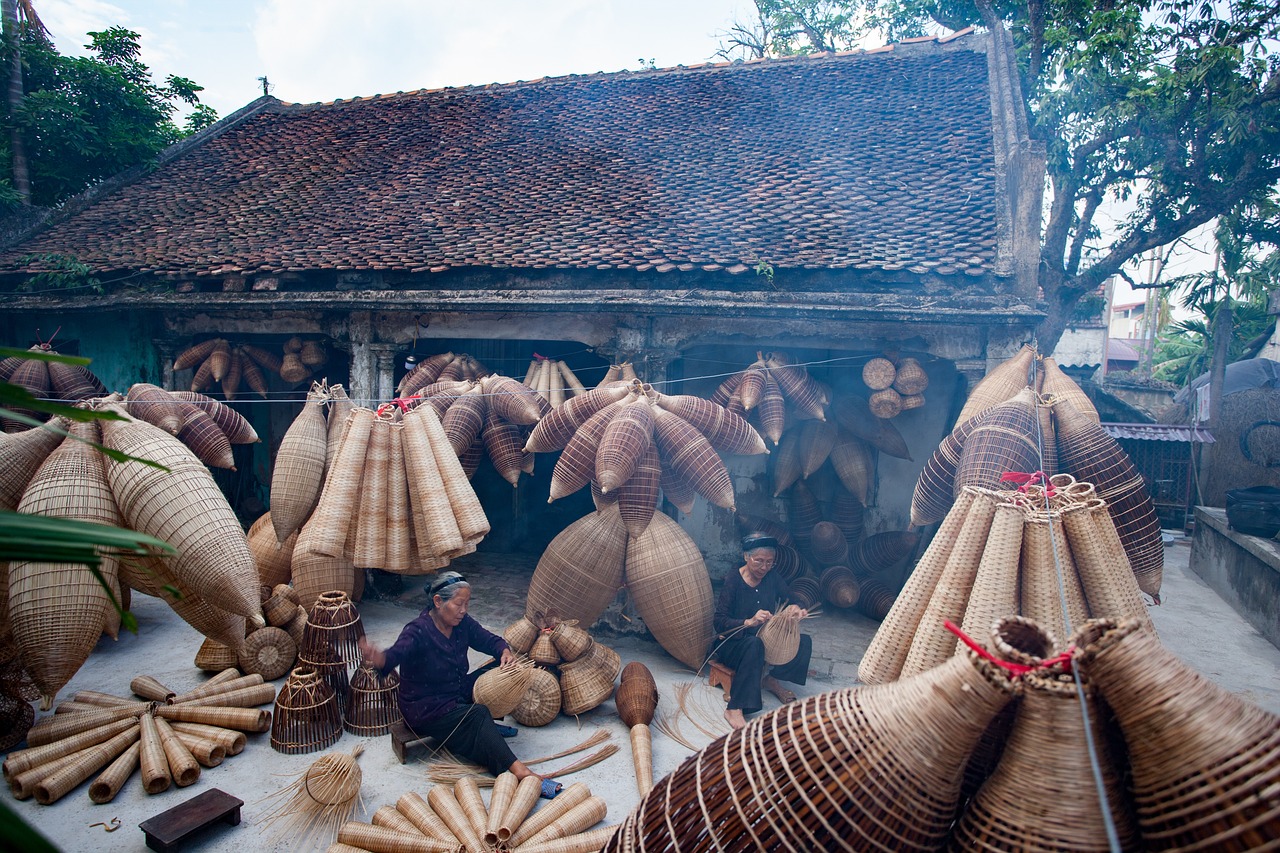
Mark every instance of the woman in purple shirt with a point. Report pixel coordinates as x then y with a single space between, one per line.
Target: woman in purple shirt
435 686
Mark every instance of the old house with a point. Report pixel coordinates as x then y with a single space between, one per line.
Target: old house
834 207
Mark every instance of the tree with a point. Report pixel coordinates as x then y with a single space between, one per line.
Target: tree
1161 112
82 119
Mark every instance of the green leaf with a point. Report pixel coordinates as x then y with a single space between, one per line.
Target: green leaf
41 355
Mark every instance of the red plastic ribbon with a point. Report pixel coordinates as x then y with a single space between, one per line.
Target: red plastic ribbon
402 402
1017 670
1024 480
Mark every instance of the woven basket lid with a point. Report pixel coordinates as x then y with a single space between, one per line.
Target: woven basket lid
269 652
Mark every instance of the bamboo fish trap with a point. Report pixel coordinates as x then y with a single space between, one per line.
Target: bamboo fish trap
502 688
323 797
307 714
373 705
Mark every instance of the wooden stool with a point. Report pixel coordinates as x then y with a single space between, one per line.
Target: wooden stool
170 828
403 739
720 676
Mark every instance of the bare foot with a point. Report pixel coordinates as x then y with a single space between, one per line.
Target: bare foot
735 718
775 687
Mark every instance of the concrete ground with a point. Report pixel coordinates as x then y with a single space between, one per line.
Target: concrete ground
1194 622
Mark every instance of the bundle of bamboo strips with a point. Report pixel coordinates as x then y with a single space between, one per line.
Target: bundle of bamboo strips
170 737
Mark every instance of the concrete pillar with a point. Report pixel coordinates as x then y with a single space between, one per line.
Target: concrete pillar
364 368
385 359
168 351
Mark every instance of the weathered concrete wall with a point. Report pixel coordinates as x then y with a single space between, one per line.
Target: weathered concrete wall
1243 569
121 344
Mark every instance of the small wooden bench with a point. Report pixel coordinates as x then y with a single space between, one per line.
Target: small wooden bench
403 739
170 828
720 676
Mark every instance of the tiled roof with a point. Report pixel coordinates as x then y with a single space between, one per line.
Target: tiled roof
1159 432
878 162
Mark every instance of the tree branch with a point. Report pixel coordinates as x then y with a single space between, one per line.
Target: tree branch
1092 200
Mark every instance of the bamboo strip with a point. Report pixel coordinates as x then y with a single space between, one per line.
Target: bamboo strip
445 804
232 741
110 781
209 753
21 760
155 764
571 796
522 802
242 719
467 793
90 761
504 788
243 697
388 818
582 816
378 839
420 814
583 842
219 684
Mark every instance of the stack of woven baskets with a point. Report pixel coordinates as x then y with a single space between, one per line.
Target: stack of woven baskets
330 690
170 736
217 360
897 385
574 673
269 651
553 381
46 379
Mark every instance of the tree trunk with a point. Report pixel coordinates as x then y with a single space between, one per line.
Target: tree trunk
1222 330
13 42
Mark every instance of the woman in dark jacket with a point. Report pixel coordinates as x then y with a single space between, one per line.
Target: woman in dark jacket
435 686
749 599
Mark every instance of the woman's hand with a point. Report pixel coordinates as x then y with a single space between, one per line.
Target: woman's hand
507 659
795 611
371 655
761 617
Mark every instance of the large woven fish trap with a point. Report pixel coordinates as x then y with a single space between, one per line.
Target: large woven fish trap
854 769
373 706
1204 763
334 622
308 716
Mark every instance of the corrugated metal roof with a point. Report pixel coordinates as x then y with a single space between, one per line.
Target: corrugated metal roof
1159 432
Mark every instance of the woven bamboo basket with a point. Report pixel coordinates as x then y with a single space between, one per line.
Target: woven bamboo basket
81 766
875 599
234 374
315 573
785 462
848 513
568 820
727 432
157 580
332 522
423 374
269 652
1086 451
1006 440
541 701
751 388
74 382
804 393
676 490
370 545
803 515
883 551
272 557
788 563
184 507
567 800
623 443
949 598
232 423
636 700
463 421
279 610
1009 811
501 689
1049 573
829 545
112 779
153 404
227 681
1057 384
544 649
373 705
588 681
333 668
213 656
1105 576
583 842
206 440
155 764
885 404
806 592
307 714
816 439
388 817
148 687
334 622
638 497
511 400
935 489
910 379
520 635
233 742
879 373
781 637
864 769
691 457
21 760
421 815
503 442
399 524
580 572
436 483
839 586
298 474
57 612
242 719
995 584
1205 763
771 411
853 465
570 641
854 415
21 455
1000 384
557 429
668 581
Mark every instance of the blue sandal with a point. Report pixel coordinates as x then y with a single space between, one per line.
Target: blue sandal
550 787
507 731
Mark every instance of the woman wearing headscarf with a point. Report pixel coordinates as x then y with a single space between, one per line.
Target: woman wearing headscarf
749 598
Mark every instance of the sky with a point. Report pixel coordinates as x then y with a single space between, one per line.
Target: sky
322 50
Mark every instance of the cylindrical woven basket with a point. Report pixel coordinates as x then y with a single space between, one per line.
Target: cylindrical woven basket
636 700
1205 763
879 373
995 584
269 652
373 705
307 714
839 586
885 404
588 681
848 769
1108 582
910 380
541 701
1049 572
334 622
668 581
570 641
1060 385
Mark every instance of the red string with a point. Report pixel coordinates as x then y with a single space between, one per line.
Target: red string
1016 669
1024 481
402 402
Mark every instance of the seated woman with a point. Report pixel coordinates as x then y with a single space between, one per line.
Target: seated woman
435 687
747 601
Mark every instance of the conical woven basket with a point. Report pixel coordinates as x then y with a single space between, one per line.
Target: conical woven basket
21 455
1006 440
373 705
1058 384
1000 384
1205 763
692 458
853 465
839 586
803 515
1108 582
668 581
334 622
875 599
570 641
848 514
781 638
579 573
1049 573
541 701
935 488
638 496
588 681
272 557
544 649
298 474
829 545
502 689
806 592
624 442
332 523
851 769
883 551
995 584
307 714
